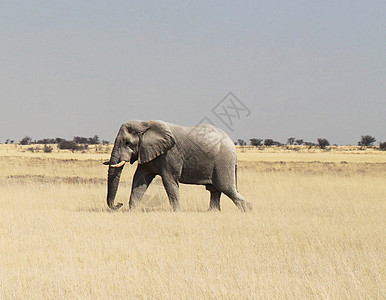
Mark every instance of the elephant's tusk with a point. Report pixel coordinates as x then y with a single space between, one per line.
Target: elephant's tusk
121 164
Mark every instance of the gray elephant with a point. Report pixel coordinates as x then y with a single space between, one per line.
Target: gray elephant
203 155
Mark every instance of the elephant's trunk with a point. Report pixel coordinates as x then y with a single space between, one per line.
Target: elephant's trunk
114 174
113 177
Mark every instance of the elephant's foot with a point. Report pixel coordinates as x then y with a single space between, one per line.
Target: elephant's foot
133 205
239 200
244 205
214 208
175 205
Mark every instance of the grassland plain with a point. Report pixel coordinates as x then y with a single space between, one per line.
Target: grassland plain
317 230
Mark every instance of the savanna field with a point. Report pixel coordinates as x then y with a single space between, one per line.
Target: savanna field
316 231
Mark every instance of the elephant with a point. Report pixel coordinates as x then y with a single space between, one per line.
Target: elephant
200 155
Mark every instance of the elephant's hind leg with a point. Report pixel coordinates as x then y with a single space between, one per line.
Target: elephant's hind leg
239 200
214 198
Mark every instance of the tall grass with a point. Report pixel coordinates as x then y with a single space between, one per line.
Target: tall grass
317 230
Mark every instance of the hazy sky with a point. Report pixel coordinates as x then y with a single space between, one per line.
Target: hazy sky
304 69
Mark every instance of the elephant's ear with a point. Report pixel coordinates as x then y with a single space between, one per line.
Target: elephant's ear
156 140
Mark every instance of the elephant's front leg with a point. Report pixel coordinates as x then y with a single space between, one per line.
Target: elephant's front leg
172 189
141 180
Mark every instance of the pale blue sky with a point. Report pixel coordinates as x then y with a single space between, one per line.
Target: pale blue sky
305 69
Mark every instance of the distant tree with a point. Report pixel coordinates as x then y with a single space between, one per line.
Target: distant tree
94 140
241 142
255 142
80 140
323 143
58 140
382 146
26 141
46 141
43 141
67 145
90 141
366 140
299 142
271 142
291 141
71 145
105 142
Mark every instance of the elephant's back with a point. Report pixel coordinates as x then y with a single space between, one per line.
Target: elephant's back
206 138
208 130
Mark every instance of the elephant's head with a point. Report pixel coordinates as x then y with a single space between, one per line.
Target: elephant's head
136 140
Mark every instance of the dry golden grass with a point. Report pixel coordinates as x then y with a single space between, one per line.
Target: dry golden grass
317 230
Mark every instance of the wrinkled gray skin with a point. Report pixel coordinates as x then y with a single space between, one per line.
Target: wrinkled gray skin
203 155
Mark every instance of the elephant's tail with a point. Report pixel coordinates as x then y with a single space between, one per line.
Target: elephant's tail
237 189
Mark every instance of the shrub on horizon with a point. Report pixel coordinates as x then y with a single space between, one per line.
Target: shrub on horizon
366 141
71 145
255 142
26 141
241 142
47 148
323 143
